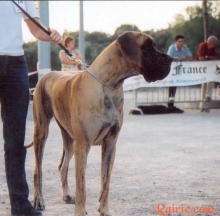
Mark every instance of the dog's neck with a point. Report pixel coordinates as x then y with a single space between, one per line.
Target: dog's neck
111 68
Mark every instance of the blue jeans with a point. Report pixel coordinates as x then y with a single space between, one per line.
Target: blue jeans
14 97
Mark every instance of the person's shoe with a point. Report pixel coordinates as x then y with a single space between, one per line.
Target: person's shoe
202 110
27 212
171 100
207 99
207 110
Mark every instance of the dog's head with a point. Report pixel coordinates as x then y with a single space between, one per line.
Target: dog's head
139 49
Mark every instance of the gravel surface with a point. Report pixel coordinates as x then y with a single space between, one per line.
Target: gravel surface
170 159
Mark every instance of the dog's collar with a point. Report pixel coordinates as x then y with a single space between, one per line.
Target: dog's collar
100 81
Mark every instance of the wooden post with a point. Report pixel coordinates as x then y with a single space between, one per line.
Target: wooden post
205 20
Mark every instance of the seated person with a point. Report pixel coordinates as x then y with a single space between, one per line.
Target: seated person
207 51
179 52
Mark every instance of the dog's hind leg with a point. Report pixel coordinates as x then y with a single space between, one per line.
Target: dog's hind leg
42 113
108 157
64 164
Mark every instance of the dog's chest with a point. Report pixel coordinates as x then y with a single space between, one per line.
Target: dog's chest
112 109
108 104
110 121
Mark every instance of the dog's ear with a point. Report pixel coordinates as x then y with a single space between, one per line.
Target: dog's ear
128 46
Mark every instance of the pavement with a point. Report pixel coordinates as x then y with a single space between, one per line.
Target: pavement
162 161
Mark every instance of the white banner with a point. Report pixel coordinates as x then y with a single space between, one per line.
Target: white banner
183 73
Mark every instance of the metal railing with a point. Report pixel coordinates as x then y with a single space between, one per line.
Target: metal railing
184 94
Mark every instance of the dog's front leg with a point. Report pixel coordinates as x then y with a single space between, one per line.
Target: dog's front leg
108 156
80 151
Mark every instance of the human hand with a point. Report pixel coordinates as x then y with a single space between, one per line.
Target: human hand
176 58
78 61
54 35
79 67
183 58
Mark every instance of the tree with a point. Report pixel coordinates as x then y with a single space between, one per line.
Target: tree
95 44
55 60
191 26
30 50
162 38
125 27
205 20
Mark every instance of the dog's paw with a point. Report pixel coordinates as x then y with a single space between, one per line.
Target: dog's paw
80 213
104 214
69 199
38 203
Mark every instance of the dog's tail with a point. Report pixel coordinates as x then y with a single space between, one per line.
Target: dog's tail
29 145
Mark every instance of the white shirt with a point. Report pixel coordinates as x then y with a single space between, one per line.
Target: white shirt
11 38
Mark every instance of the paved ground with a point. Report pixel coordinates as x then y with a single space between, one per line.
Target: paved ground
168 159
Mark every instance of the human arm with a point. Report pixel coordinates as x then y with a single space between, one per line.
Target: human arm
209 57
170 52
187 54
201 52
34 29
78 55
205 55
186 58
40 34
65 59
177 57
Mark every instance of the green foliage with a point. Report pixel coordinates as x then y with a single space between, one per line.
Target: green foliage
191 26
125 27
95 43
30 51
163 38
55 61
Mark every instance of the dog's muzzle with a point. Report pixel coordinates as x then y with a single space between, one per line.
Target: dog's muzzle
155 66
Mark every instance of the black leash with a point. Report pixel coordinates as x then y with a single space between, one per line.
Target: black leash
41 27
84 65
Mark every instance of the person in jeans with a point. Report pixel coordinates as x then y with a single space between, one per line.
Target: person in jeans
14 98
179 52
206 52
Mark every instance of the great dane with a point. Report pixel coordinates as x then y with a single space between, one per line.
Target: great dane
89 111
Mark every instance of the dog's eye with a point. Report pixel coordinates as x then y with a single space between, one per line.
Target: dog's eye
148 44
148 48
